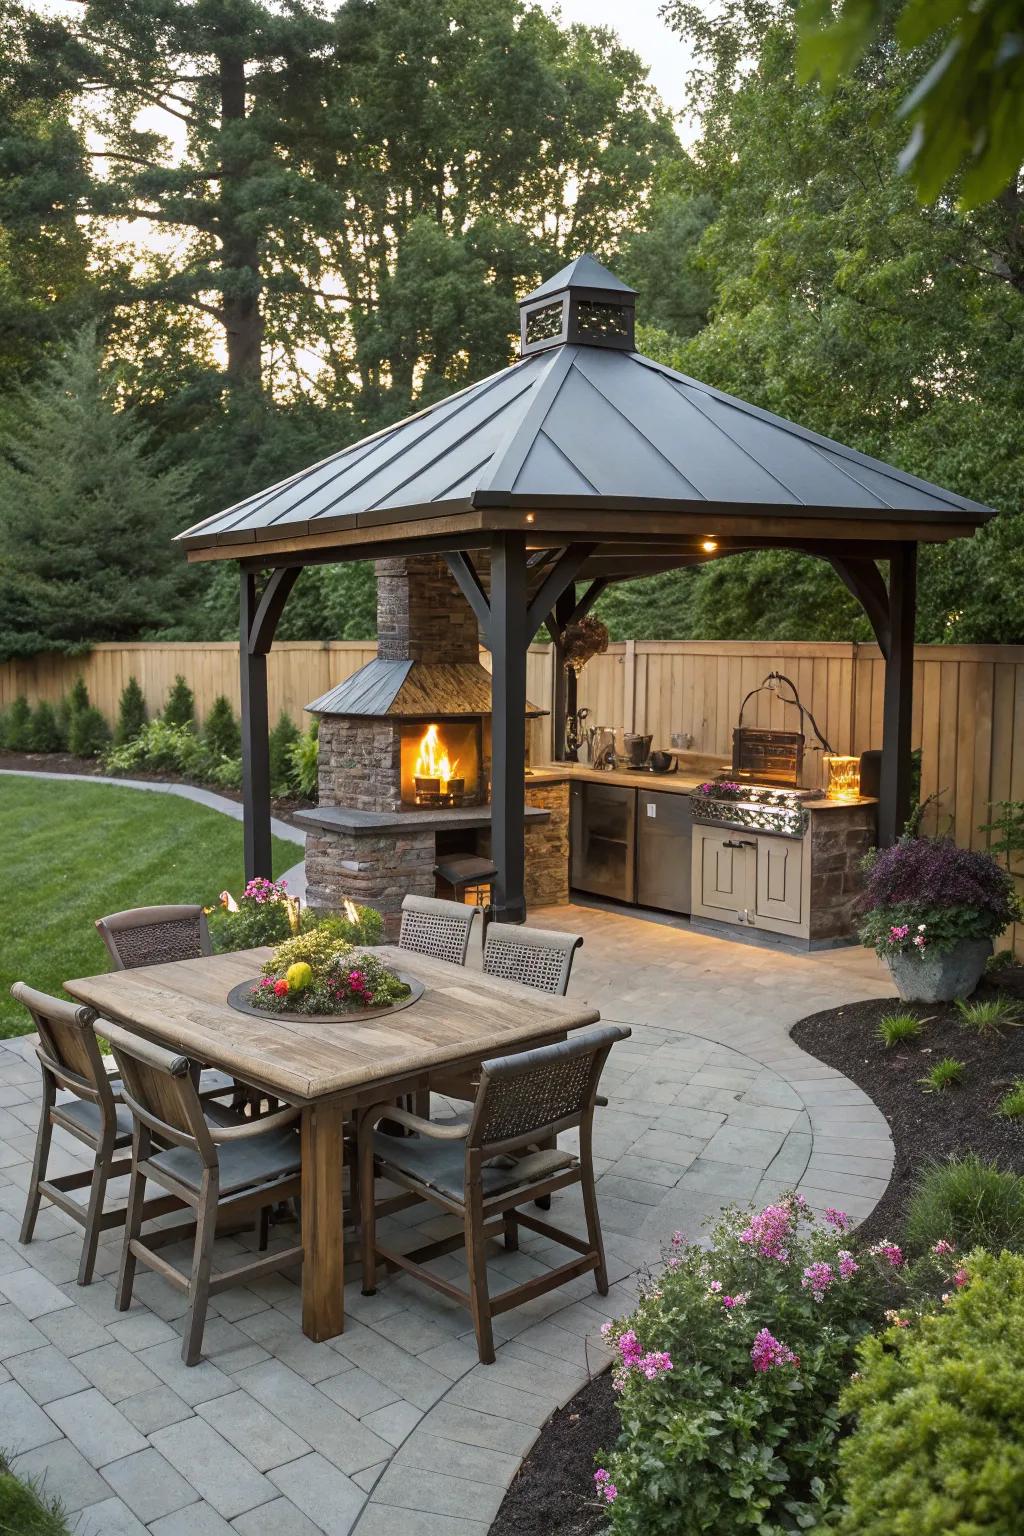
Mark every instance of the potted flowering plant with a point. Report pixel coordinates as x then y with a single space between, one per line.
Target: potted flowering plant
931 911
319 973
266 914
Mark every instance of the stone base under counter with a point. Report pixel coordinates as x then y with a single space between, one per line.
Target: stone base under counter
376 858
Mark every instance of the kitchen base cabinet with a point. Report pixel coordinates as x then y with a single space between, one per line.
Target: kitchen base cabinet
752 879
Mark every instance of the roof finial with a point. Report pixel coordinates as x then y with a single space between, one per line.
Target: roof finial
584 304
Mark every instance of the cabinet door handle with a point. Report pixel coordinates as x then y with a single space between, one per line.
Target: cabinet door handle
738 843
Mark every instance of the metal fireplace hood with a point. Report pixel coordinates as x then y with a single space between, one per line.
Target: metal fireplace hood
412 690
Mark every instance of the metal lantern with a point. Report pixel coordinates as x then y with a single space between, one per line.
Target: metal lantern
843 778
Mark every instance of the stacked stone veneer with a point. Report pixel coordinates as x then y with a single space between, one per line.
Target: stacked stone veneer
840 837
377 870
547 846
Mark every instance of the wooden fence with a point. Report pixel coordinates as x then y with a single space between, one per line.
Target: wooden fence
968 700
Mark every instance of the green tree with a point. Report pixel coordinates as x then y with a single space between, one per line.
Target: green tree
220 729
843 304
966 107
180 708
131 713
86 516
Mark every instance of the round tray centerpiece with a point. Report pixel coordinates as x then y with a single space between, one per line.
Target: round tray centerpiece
318 975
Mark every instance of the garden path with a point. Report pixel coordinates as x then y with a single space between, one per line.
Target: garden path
395 1426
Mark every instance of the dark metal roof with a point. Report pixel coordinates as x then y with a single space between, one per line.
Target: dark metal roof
415 690
579 427
585 272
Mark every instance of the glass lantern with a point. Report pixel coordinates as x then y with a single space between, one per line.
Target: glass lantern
843 778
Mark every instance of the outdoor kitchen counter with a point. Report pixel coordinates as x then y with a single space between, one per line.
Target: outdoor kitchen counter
681 783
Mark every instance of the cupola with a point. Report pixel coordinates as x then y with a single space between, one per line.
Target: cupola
584 304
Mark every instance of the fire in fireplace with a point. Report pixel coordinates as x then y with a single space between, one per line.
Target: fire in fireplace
441 763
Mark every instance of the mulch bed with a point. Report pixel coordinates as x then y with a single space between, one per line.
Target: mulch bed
66 762
553 1491
926 1127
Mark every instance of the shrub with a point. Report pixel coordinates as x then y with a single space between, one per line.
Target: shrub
131 713
78 698
303 757
894 1028
1011 1105
26 1512
969 1202
18 726
180 708
730 1371
265 915
282 738
88 732
944 1074
989 1016
44 732
936 1448
927 894
220 729
158 748
222 773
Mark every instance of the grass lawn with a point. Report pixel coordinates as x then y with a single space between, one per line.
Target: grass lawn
74 852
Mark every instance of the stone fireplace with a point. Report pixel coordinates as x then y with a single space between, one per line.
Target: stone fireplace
404 757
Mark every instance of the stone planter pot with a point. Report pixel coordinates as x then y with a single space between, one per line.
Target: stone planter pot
939 978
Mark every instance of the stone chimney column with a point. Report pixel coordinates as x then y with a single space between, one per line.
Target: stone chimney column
421 614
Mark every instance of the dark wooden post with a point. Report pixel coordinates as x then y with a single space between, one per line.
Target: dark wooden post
564 685
894 793
258 615
509 640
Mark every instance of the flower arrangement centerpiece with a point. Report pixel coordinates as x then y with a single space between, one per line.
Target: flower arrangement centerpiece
931 911
320 973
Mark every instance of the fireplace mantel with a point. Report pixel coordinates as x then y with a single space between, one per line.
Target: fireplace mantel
341 818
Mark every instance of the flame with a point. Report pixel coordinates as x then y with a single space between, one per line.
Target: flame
432 759
351 911
228 901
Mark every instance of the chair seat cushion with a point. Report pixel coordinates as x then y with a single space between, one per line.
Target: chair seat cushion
87 1117
244 1164
441 1165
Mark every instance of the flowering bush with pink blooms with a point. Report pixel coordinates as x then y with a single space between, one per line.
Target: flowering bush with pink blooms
729 1372
319 973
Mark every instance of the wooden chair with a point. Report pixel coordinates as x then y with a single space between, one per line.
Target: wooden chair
70 1059
535 957
153 935
484 1172
438 928
217 1171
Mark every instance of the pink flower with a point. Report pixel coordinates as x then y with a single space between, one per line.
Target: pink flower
891 1252
268 981
848 1265
817 1279
629 1348
678 1239
715 1287
960 1277
942 1247
899 931
769 1231
768 1351
606 1489
606 1329
837 1219
739 1300
654 1364
920 940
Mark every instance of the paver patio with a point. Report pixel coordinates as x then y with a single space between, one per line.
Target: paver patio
394 1426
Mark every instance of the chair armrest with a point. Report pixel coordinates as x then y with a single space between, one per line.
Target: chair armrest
247 1128
378 1112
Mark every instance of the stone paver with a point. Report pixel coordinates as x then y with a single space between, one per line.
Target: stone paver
395 1426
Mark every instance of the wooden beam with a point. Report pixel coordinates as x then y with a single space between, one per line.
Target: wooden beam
564 681
509 642
561 575
894 792
258 616
468 581
270 607
864 580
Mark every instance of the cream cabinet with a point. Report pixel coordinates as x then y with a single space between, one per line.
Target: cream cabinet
751 878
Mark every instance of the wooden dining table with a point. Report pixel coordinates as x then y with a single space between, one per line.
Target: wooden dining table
330 1069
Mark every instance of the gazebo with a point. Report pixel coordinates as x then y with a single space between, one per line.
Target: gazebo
581 464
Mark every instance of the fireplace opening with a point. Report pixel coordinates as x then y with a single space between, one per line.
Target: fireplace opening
441 763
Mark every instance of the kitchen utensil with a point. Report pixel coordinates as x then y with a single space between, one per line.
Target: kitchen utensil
663 762
637 748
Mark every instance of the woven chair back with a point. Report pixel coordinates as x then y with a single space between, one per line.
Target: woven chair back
536 957
434 927
541 1092
153 935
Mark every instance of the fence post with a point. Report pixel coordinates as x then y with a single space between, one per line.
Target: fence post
629 687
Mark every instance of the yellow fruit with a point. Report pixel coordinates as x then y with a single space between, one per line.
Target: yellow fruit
298 976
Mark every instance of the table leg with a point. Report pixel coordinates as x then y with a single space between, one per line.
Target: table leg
323 1264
